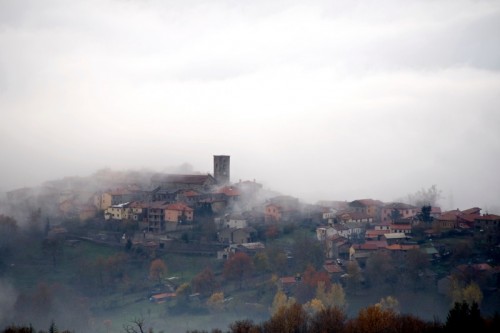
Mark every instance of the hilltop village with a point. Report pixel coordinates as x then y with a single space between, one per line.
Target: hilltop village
361 244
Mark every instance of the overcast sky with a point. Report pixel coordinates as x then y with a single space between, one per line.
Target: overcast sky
333 100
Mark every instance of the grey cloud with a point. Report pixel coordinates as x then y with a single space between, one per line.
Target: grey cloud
348 99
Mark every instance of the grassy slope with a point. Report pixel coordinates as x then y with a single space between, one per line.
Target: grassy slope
31 265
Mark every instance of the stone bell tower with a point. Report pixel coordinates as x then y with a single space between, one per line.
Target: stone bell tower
221 169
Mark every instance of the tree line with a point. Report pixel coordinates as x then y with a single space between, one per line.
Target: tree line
296 318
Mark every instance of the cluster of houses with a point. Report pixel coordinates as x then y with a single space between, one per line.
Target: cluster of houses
174 201
356 230
363 226
349 230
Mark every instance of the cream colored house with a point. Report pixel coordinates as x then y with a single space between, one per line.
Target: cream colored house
369 207
137 210
117 212
235 221
104 200
404 211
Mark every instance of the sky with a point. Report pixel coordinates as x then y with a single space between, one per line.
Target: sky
321 100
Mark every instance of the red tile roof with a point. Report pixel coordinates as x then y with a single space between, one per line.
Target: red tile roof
473 210
137 204
159 297
400 227
282 208
468 215
288 280
488 217
435 210
375 233
333 268
401 247
178 206
448 216
468 218
190 193
229 191
156 205
398 205
370 245
454 212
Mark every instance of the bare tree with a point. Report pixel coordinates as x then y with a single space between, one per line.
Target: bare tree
238 267
136 326
425 197
157 270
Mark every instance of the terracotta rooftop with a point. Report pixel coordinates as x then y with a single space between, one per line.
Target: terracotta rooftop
137 204
375 233
229 191
401 226
190 193
398 205
473 210
333 268
178 206
288 280
448 216
401 247
370 245
156 205
488 217
435 210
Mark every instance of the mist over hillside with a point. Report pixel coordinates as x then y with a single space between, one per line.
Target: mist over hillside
364 139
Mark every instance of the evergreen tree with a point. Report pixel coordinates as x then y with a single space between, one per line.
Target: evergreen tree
464 317
53 328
